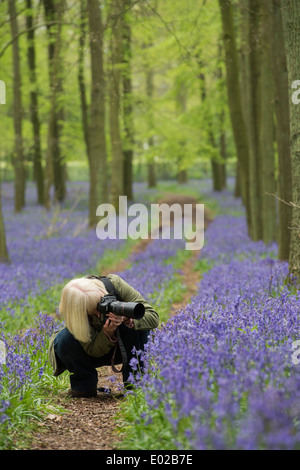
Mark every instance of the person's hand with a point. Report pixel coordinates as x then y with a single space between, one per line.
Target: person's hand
112 322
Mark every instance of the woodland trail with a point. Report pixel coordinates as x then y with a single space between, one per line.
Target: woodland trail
89 423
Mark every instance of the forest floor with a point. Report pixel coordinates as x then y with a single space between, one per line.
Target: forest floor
89 423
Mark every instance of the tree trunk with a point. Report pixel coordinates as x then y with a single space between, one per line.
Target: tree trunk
37 156
117 161
54 12
291 27
81 81
237 187
218 175
181 105
234 101
281 91
217 168
182 177
266 130
254 123
18 157
97 142
222 166
151 176
4 257
127 104
223 152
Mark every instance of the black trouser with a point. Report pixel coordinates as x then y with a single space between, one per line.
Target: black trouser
82 367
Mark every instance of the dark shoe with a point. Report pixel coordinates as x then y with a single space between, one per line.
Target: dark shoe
76 394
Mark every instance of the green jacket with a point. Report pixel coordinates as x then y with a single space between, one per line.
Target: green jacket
100 344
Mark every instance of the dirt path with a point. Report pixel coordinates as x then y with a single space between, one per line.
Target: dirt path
89 423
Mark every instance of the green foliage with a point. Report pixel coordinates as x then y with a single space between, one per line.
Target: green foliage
31 403
143 429
177 42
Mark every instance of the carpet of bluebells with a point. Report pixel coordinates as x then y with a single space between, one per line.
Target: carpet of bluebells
46 249
221 371
219 374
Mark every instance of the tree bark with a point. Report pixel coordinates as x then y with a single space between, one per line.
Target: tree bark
81 80
221 166
237 187
266 135
54 10
235 102
37 155
4 256
151 172
282 104
255 158
97 142
151 175
117 157
127 104
18 157
291 28
181 105
218 168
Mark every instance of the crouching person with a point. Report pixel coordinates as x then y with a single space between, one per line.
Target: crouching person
87 343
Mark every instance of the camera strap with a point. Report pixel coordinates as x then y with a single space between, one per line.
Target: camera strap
113 291
123 354
108 285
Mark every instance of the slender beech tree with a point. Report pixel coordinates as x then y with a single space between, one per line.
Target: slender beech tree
235 102
151 174
4 256
291 28
258 109
117 157
218 142
81 78
97 144
55 171
37 155
128 141
282 104
266 134
221 173
216 167
18 156
181 106
254 167
244 74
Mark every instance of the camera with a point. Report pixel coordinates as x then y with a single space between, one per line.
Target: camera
109 303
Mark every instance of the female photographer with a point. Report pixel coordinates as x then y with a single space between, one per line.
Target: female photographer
86 342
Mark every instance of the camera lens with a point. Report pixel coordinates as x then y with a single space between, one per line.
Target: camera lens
128 309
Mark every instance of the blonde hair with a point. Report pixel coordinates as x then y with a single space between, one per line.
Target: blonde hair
79 298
